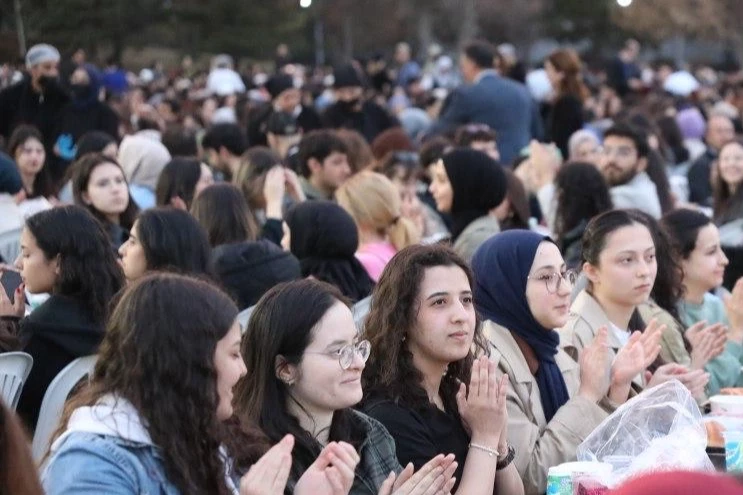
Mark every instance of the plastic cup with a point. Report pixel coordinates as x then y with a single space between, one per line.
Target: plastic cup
560 478
733 450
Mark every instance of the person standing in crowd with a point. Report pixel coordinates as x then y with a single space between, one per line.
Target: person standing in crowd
432 387
564 69
223 146
303 378
127 432
324 237
469 185
374 204
323 164
37 100
84 113
223 79
522 290
351 110
584 146
502 104
623 73
27 148
508 63
166 239
408 69
66 253
99 185
624 159
285 98
479 137
720 131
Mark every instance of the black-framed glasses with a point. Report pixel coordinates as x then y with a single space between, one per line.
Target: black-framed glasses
348 352
553 280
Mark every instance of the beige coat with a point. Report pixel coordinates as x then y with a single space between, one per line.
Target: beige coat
586 317
474 235
672 347
540 445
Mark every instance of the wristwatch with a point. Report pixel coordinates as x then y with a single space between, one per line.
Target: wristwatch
502 464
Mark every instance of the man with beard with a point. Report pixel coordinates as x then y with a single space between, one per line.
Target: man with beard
623 162
36 100
351 111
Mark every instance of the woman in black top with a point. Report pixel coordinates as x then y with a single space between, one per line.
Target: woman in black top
566 116
422 315
66 253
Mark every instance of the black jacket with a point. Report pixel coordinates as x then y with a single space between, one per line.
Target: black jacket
370 122
247 270
700 187
20 104
55 334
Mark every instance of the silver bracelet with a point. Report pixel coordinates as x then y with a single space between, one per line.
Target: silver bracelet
490 452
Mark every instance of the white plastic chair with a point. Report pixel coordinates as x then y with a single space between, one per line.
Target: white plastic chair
14 370
360 310
243 317
54 400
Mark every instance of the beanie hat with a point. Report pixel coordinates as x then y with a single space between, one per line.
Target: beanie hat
278 84
38 54
346 77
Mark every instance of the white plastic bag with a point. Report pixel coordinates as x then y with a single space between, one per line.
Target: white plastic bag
659 430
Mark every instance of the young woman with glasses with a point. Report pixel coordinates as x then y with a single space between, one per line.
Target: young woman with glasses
522 290
303 377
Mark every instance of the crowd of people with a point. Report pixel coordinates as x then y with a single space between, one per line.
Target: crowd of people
533 247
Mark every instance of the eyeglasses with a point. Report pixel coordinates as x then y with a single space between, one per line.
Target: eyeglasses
553 280
348 352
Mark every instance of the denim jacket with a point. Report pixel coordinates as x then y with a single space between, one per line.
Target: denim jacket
106 449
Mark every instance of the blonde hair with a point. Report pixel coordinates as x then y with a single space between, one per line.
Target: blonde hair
374 202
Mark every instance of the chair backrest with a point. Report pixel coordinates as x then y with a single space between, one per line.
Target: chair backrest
14 369
360 310
54 400
243 317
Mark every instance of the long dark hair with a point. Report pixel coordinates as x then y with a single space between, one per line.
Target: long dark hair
178 179
594 239
223 212
568 62
173 241
158 354
82 170
727 204
582 193
261 398
684 225
393 313
43 185
18 473
88 269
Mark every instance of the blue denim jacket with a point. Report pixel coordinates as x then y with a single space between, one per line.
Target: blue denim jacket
89 463
106 449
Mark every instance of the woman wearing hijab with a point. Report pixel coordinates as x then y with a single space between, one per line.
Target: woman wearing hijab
522 290
469 185
324 238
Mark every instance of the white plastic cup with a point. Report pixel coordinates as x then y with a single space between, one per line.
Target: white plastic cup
733 450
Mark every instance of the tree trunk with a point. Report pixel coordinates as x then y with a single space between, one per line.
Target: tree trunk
347 38
20 28
469 27
425 32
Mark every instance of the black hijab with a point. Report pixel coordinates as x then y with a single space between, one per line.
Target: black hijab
324 238
478 184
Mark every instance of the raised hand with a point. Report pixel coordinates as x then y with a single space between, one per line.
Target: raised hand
650 340
434 478
595 366
707 342
269 475
293 187
694 380
482 406
332 473
12 308
273 190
